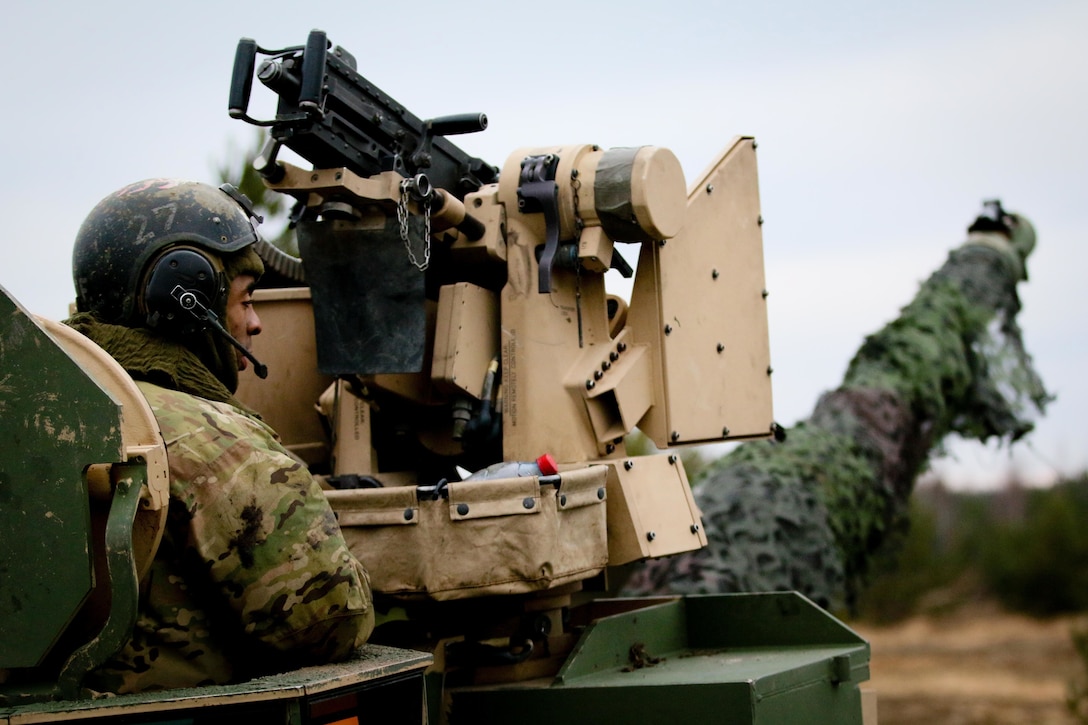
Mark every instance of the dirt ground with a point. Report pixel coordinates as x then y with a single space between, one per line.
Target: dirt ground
976 665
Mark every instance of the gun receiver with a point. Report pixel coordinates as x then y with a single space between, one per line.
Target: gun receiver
332 116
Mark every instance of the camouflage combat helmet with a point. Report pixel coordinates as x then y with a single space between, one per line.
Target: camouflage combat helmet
123 239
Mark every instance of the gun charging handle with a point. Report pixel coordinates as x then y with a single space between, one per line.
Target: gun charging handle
444 126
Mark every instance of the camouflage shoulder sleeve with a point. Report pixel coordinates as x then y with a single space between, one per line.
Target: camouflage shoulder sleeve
263 531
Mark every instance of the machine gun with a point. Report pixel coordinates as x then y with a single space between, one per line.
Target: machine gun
332 116
336 119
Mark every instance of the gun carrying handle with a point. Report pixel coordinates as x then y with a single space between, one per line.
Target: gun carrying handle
241 80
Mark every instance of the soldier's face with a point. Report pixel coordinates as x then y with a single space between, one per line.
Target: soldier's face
242 320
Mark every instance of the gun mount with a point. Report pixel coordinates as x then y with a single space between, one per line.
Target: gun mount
439 344
496 339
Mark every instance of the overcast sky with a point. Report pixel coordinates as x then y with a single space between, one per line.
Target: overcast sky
881 127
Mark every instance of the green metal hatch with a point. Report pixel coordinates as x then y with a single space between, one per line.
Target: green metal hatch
54 420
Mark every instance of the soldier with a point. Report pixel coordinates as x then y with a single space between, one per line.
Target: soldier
252 575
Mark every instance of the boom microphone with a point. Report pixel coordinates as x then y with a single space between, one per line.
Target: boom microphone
189 301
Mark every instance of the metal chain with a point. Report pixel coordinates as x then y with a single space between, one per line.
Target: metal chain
579 225
402 219
575 185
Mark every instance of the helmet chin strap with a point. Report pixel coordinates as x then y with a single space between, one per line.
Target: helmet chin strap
189 302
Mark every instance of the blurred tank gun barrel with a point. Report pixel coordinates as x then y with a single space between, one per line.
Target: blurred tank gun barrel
811 512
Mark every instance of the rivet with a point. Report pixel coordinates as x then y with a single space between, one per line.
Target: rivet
754 145
462 509
590 384
695 528
628 465
528 502
313 177
613 356
650 535
597 374
675 436
609 448
622 347
668 329
725 432
605 365
710 188
721 348
760 220
765 293
769 370
673 458
714 273
408 514
661 242
617 440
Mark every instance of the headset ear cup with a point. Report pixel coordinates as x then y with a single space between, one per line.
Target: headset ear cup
177 271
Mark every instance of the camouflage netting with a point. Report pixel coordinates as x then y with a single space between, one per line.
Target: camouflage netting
811 513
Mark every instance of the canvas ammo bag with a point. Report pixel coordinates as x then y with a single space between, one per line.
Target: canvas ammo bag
477 538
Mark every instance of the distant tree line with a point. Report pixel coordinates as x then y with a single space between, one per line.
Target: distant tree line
1025 547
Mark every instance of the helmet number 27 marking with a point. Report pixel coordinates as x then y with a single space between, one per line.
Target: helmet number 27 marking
164 214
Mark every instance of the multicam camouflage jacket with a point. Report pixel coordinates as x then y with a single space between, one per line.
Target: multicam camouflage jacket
253 575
